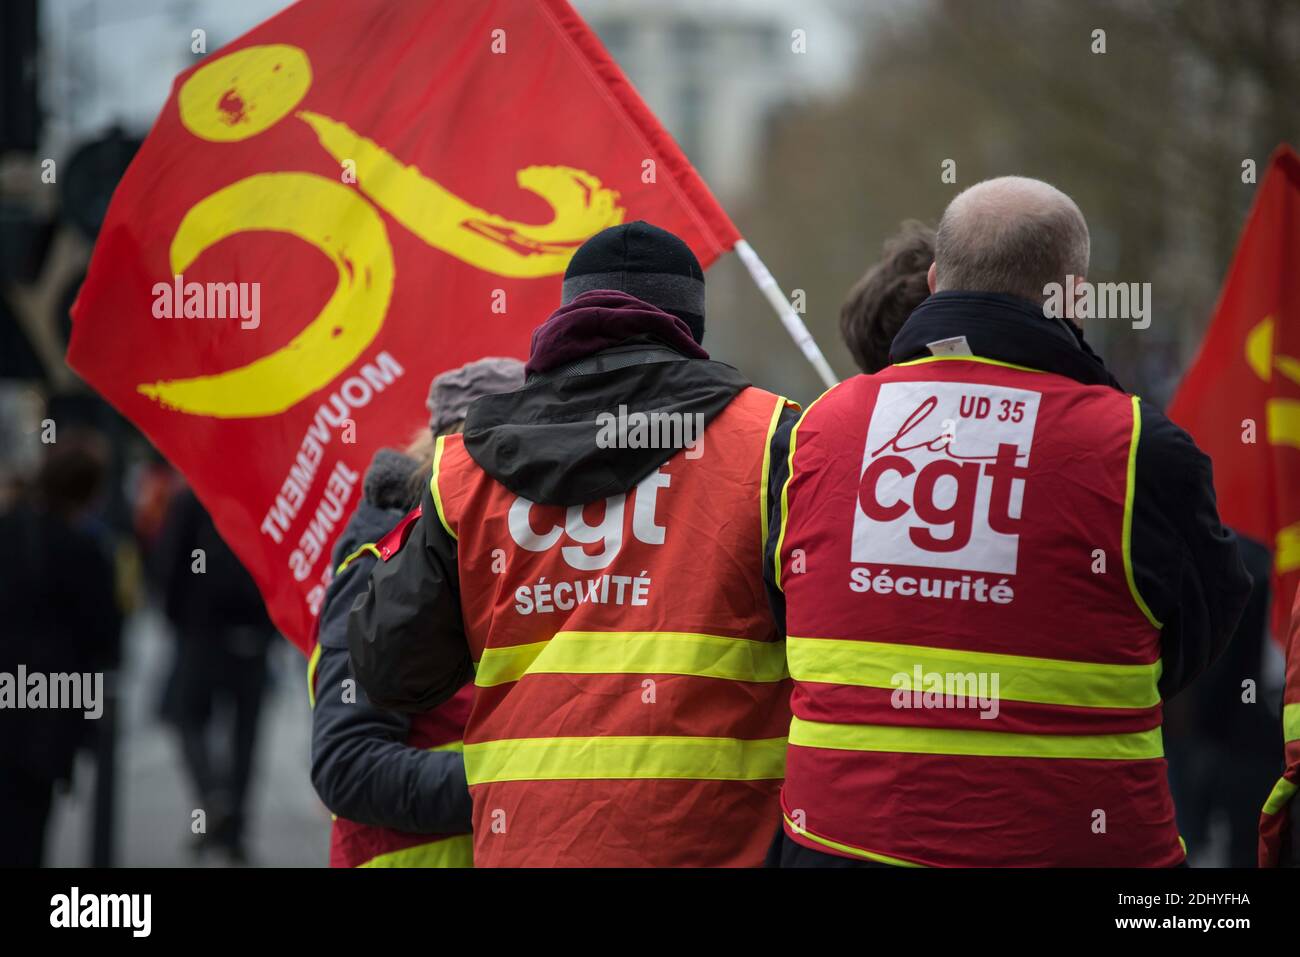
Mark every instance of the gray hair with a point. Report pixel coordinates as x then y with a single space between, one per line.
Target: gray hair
1010 235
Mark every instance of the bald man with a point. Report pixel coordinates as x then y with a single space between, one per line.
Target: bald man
992 566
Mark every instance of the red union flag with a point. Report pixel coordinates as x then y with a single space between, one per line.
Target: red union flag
370 193
1240 400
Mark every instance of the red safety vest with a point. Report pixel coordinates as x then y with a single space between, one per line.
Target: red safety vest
442 729
1276 820
360 845
975 671
633 697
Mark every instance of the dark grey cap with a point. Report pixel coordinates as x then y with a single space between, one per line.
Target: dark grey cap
643 261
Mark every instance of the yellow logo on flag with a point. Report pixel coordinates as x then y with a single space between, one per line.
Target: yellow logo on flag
249 91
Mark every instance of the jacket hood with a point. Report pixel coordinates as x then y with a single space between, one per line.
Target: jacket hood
596 364
1004 328
388 479
385 500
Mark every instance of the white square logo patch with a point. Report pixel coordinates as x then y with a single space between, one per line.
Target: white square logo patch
943 476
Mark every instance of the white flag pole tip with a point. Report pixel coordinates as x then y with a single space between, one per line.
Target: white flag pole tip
792 321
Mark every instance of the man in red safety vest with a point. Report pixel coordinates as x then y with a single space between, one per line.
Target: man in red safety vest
592 549
1279 832
994 564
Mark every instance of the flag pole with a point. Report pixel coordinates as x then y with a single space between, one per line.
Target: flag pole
793 323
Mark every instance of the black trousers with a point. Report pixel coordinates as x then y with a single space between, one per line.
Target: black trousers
218 694
25 801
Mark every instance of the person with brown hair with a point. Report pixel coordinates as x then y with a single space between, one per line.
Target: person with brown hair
61 617
880 302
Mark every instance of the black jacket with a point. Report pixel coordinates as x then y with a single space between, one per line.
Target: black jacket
406 635
360 764
224 597
1186 565
58 614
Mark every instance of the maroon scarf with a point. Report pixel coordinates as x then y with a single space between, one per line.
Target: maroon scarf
599 320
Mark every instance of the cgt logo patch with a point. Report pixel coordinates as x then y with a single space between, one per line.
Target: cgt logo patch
608 534
943 476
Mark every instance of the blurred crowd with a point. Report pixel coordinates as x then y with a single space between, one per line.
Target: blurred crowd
99 529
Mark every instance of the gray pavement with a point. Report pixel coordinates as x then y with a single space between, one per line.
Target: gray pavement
288 825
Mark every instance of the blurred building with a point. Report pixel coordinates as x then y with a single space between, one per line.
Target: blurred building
716 72
90 82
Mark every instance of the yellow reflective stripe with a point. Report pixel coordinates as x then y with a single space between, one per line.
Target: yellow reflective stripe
882 858
1138 746
625 757
987 362
433 485
1291 722
449 852
449 746
1280 796
785 486
635 653
368 547
1129 489
872 664
312 663
848 849
785 493
767 467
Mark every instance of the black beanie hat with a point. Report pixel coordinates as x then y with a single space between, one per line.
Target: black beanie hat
643 261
